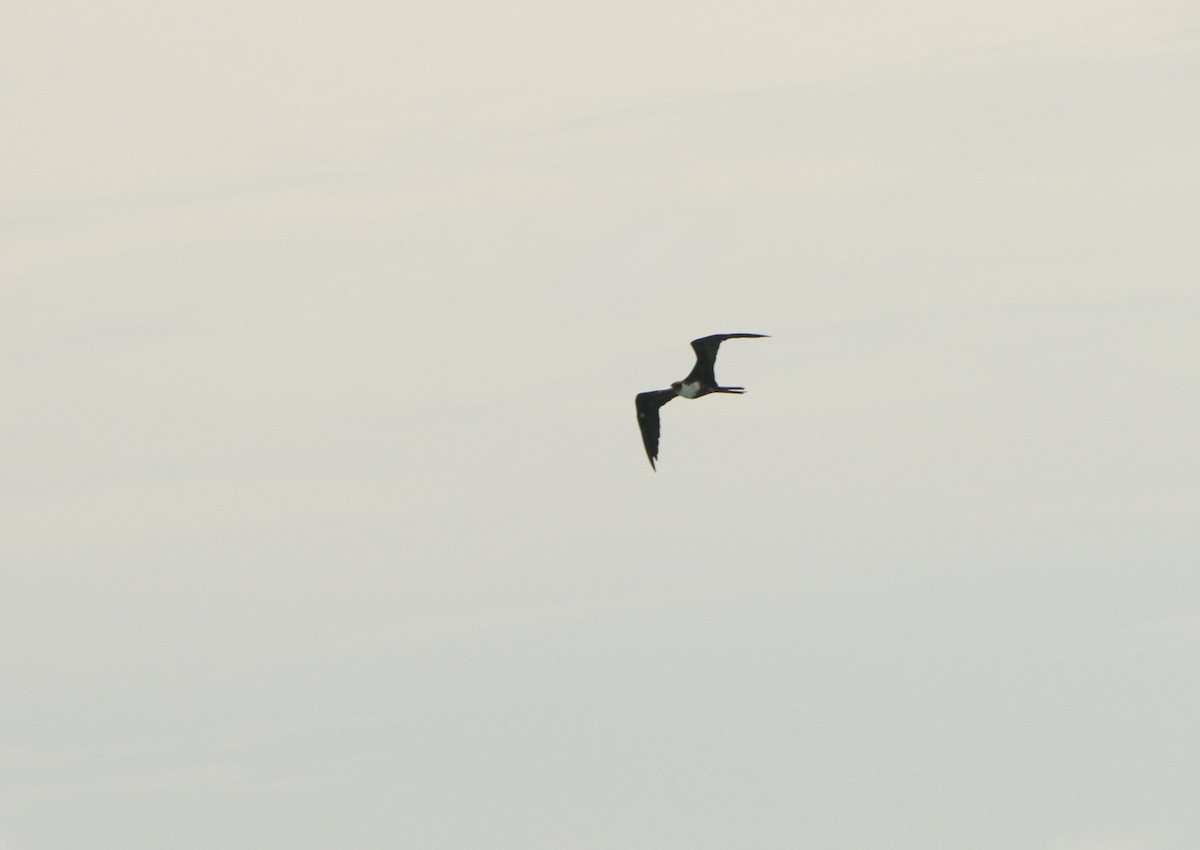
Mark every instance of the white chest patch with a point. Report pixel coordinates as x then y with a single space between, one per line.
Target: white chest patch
689 390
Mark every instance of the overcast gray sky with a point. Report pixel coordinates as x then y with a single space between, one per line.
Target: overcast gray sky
325 518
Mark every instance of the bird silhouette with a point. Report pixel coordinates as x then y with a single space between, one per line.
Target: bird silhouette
700 381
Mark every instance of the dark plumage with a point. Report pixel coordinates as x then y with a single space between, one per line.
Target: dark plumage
699 382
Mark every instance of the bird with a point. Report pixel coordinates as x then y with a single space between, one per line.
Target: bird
700 382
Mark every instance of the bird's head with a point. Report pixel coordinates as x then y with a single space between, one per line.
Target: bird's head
677 386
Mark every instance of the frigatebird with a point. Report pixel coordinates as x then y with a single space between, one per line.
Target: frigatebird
700 381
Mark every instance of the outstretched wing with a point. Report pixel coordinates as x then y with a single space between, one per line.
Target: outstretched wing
706 357
647 410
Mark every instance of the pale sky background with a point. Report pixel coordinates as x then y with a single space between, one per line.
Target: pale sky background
326 522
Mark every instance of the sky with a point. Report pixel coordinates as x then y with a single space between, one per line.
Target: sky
325 517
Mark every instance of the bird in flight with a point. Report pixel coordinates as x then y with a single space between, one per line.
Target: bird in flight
700 381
